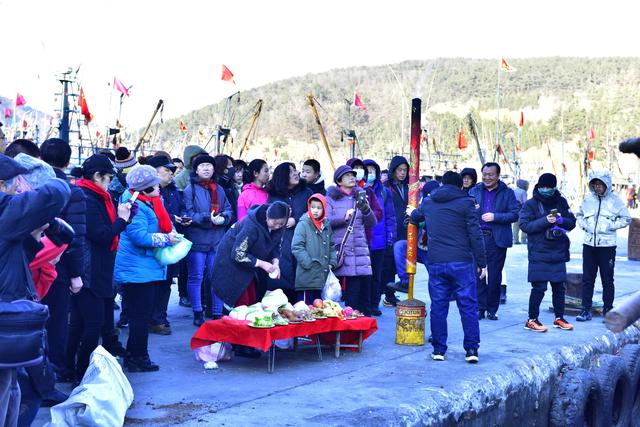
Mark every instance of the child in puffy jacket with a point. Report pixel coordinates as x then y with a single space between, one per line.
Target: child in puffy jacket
313 248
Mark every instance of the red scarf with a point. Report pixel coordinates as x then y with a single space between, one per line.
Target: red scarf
108 203
164 221
213 190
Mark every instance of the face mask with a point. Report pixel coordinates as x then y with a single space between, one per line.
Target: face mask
359 174
371 179
546 192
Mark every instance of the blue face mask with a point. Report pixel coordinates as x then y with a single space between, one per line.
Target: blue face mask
547 192
371 179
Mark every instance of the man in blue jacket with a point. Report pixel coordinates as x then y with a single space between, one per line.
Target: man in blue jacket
497 207
455 256
23 217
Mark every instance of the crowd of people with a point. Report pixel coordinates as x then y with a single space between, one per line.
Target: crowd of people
255 228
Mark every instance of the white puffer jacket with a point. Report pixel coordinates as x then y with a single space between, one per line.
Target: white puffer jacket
600 216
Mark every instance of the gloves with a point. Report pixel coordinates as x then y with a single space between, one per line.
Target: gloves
134 211
559 220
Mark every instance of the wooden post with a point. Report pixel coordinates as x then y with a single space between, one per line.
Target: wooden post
321 129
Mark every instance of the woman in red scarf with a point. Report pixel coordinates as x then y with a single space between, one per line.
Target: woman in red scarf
208 207
92 307
136 267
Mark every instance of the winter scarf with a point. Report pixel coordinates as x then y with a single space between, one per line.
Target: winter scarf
106 199
164 221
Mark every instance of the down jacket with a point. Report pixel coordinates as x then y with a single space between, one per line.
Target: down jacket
202 233
384 232
314 251
600 217
357 261
251 195
547 258
242 245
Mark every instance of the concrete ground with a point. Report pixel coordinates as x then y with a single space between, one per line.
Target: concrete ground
386 384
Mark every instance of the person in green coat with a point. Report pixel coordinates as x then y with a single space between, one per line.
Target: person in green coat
312 246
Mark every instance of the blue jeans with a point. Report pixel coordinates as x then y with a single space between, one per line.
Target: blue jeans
196 264
489 287
400 256
457 279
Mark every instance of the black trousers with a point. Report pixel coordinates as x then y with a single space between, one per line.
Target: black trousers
140 298
58 299
537 294
182 279
85 327
489 287
594 259
357 293
377 266
161 303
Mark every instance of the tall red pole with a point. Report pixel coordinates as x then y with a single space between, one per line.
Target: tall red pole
414 188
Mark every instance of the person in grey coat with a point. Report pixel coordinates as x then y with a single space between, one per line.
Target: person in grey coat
344 200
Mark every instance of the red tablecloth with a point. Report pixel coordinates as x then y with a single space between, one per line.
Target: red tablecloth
239 332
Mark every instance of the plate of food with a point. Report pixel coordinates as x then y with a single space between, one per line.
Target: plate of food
309 320
350 318
295 322
261 326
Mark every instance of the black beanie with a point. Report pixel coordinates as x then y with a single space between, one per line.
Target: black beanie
203 158
123 154
452 178
547 180
278 210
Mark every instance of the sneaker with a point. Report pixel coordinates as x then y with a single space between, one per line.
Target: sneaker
584 316
140 364
562 324
160 329
184 302
391 301
492 316
122 323
472 355
198 318
534 325
437 357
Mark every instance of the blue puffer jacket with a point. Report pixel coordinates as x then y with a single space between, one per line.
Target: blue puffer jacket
203 234
384 232
135 262
547 258
505 210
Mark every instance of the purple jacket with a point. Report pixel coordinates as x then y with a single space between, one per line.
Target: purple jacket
384 233
357 261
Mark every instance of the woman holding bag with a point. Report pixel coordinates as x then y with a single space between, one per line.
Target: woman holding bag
346 205
136 266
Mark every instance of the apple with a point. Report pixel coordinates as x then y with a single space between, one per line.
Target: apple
318 303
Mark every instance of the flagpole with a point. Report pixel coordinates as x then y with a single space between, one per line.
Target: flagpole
497 112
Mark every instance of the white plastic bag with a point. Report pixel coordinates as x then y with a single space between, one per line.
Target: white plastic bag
102 398
214 352
332 289
172 254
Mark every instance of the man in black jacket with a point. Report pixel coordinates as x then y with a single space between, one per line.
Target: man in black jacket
455 253
71 267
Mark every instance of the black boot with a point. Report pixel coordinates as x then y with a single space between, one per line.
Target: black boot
198 318
111 343
503 294
140 364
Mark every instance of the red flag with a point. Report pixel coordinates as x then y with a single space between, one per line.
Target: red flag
8 113
564 167
98 134
182 126
84 108
591 135
357 102
591 155
521 118
462 139
120 87
20 100
25 124
227 75
506 67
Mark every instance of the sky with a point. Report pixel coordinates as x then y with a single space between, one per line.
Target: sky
174 50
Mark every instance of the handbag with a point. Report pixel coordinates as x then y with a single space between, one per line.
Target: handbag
22 333
341 254
174 253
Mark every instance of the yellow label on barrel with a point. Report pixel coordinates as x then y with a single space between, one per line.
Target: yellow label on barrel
410 321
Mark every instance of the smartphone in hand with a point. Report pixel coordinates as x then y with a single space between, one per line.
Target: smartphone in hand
554 212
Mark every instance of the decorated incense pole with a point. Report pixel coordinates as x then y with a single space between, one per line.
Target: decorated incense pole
410 314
